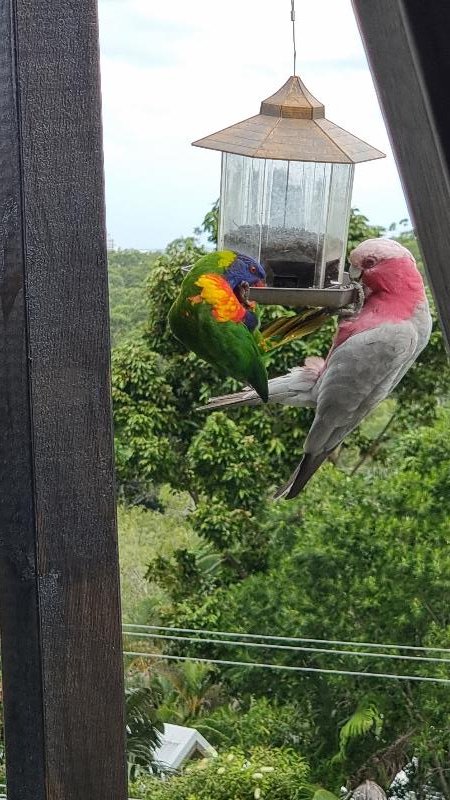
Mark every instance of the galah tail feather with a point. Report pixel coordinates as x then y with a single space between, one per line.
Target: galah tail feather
370 354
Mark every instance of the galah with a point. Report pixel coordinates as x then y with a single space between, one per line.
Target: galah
370 353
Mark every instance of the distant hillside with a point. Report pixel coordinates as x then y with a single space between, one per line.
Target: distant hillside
128 271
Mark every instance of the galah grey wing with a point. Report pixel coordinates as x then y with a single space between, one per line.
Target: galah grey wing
360 373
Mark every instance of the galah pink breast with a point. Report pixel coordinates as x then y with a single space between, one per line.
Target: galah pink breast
369 356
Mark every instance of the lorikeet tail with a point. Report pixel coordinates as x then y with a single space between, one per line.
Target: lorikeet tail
286 329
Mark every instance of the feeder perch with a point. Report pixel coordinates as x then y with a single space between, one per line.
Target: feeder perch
287 176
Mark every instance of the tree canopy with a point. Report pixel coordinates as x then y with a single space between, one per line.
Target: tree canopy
362 555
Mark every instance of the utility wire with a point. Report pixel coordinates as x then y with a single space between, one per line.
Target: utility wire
287 638
285 668
292 648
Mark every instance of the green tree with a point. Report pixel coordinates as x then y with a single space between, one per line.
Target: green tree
278 774
127 273
362 555
362 559
257 722
189 690
143 728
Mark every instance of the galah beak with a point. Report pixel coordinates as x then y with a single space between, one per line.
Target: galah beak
354 273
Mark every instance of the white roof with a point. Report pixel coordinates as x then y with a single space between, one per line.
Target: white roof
178 744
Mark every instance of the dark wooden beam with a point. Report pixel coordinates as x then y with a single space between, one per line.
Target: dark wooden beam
59 587
407 47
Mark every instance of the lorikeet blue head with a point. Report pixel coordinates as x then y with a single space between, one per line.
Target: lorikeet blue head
245 269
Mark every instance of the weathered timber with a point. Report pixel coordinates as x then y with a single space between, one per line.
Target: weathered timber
406 43
59 588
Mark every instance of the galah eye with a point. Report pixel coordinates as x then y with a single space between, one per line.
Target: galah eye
369 262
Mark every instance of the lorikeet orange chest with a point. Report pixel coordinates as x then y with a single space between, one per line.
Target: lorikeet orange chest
213 317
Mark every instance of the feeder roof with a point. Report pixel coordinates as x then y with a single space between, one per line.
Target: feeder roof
291 126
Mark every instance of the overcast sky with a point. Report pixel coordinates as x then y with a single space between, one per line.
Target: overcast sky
174 71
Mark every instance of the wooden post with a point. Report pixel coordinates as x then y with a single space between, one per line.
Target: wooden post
406 43
59 587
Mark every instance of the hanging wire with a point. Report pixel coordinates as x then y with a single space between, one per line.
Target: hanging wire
293 32
266 637
285 668
291 648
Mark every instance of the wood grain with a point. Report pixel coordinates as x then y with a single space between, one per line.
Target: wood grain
407 48
59 592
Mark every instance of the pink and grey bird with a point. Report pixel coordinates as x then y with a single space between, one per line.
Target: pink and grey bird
370 354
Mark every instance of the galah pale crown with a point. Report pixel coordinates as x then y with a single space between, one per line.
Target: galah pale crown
369 355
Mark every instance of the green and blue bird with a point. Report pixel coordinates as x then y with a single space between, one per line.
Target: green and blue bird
213 316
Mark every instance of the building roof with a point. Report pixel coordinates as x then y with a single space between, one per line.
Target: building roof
179 744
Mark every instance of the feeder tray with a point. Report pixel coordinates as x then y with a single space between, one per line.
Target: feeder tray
304 298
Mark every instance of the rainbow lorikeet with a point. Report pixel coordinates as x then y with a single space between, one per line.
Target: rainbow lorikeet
213 317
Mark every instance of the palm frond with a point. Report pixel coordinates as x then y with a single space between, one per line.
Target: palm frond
143 727
367 717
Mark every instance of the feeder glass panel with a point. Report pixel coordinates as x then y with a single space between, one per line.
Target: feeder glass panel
291 215
241 204
338 220
295 207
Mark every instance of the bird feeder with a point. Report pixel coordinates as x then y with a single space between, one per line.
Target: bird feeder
287 176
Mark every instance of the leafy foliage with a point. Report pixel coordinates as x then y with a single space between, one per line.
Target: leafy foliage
355 559
257 722
366 718
362 555
128 271
190 690
142 728
278 774
145 536
210 224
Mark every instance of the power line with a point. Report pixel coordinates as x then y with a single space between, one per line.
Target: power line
291 648
285 668
235 634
